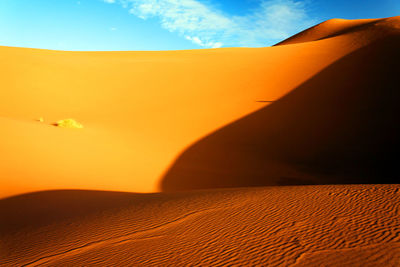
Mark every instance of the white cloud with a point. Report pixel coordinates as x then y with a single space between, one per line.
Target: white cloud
109 1
195 40
209 44
206 26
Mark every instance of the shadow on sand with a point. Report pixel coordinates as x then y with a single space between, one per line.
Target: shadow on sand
42 208
341 126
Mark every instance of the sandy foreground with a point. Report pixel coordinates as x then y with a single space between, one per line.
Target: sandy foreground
343 225
229 153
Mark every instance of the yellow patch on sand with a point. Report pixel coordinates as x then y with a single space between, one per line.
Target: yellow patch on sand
69 123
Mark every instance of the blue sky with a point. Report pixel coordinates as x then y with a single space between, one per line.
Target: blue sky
170 24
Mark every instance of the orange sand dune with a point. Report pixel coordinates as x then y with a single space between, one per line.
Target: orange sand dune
320 108
363 29
348 225
141 110
330 28
340 126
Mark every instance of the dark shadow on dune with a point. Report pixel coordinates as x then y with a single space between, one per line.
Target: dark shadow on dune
339 127
41 208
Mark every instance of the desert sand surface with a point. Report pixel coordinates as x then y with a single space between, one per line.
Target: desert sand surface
276 156
333 225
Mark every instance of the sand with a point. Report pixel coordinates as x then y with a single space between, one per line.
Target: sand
338 127
343 225
279 125
142 110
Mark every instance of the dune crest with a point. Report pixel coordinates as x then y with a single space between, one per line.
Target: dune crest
370 28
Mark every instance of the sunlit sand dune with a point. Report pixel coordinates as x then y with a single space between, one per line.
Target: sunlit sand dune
332 28
141 110
320 108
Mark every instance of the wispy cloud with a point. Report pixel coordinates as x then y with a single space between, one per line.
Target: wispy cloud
207 26
198 41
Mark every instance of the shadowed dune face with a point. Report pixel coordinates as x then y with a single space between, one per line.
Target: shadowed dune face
341 126
39 209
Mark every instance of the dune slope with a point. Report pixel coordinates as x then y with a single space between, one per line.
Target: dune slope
348 225
338 127
141 110
329 28
364 28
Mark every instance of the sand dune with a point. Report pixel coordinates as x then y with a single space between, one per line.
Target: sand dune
318 108
365 30
141 110
338 127
352 225
330 28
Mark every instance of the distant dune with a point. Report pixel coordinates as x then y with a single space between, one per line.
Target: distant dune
280 126
335 27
